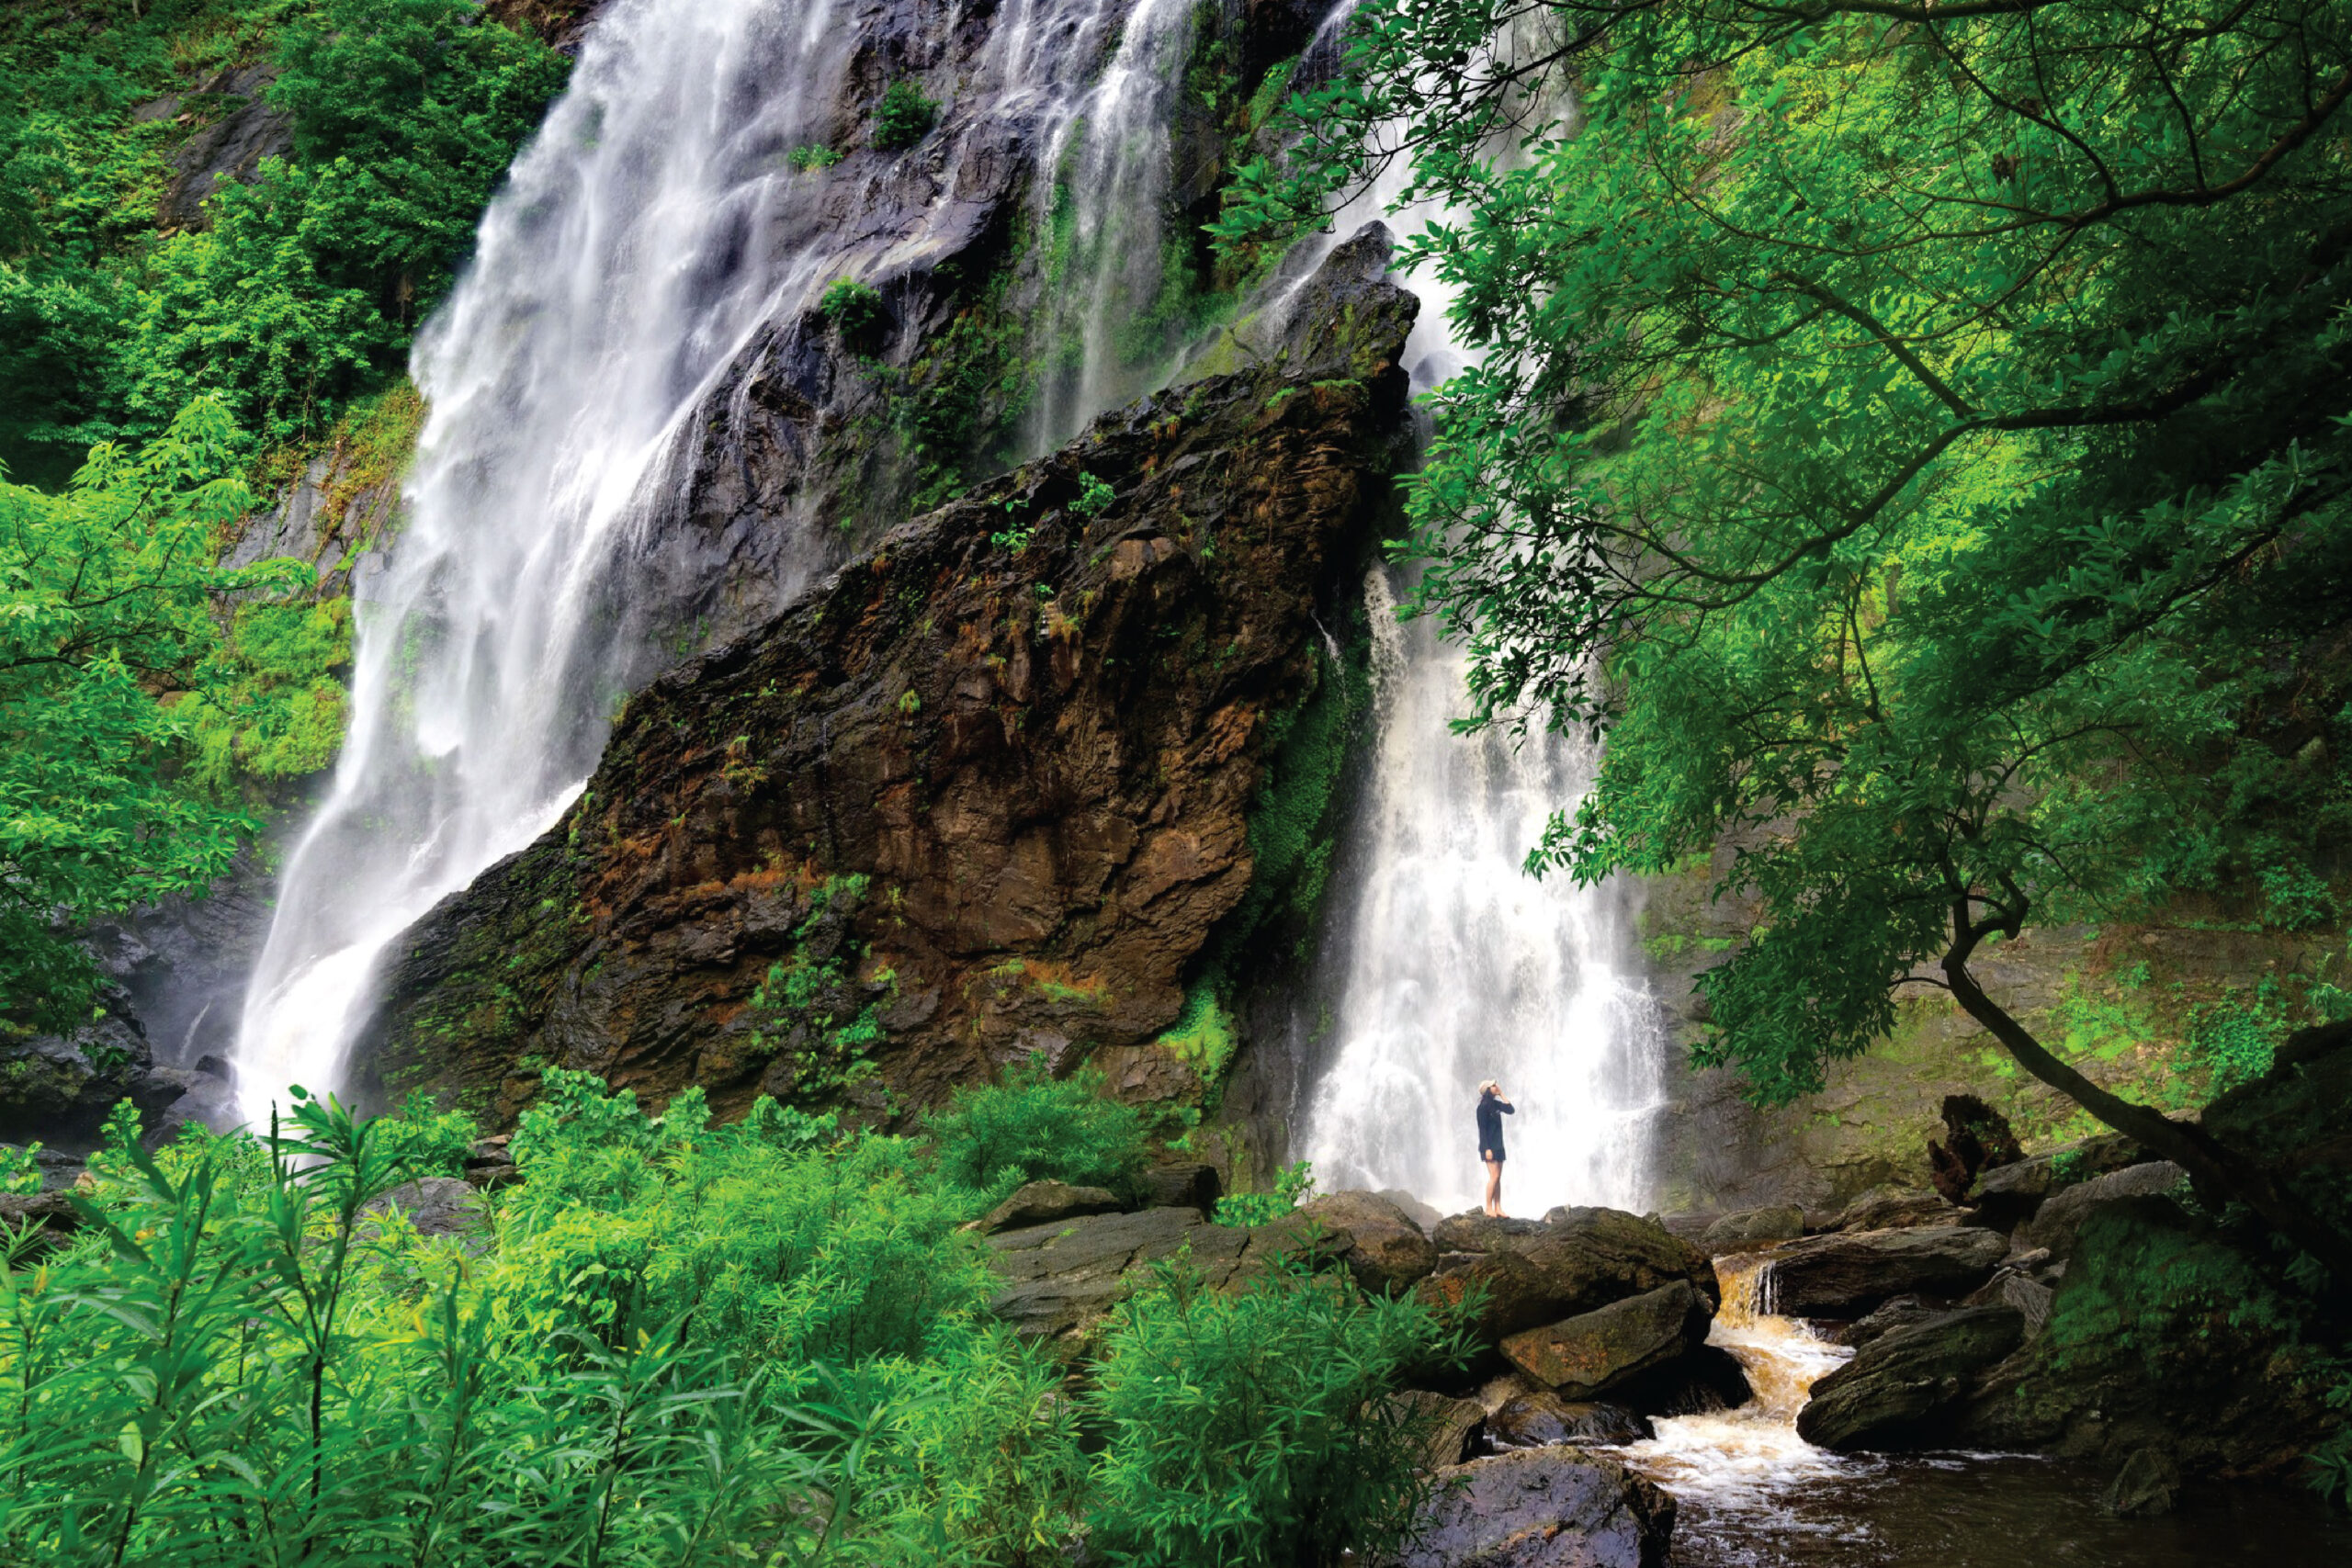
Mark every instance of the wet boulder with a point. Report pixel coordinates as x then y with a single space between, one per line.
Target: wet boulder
1550 1507
1893 1208
2143 1488
1185 1186
1898 1312
1543 1419
1845 1275
1389 1253
2060 1220
2008 1195
1513 1293
1582 1357
1060 1278
1452 1427
1894 1391
52 1213
1751 1228
1588 1257
1042 1202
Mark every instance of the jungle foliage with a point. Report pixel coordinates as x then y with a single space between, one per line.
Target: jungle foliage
111 656
299 291
139 685
1919 437
670 1344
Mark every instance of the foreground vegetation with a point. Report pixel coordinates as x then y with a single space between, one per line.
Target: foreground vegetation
671 1343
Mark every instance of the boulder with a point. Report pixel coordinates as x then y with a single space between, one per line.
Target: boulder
2143 1488
1188 1185
1474 1232
2008 1195
1592 1352
1901 1312
1420 1214
1550 1507
1891 1393
1845 1275
1710 1377
1059 1279
1893 1208
2060 1219
1543 1419
1515 1295
1390 1253
1453 1426
1749 1228
1042 1202
52 1213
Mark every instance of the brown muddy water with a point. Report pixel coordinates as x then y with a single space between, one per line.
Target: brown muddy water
1751 1494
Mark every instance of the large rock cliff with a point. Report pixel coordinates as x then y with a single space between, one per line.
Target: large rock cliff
986 793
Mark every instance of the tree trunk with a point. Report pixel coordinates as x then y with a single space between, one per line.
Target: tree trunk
2213 1163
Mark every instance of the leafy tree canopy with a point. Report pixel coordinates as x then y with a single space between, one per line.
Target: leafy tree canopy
1917 433
109 651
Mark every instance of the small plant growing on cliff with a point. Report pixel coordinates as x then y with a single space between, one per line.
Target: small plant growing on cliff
1012 535
853 308
812 156
903 118
1094 497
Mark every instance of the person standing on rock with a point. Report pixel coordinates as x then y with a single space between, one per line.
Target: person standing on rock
1492 1109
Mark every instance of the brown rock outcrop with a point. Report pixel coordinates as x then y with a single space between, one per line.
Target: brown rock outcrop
984 794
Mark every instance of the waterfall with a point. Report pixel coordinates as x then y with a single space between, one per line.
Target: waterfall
1454 966
627 258
1448 964
1106 176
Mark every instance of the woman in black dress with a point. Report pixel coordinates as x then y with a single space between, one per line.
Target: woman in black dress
1492 1109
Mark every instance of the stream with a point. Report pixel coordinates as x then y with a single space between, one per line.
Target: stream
1751 1494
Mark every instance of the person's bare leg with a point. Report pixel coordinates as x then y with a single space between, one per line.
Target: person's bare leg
1494 1187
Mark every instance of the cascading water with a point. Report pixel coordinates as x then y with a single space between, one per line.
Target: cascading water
1459 967
654 225
618 270
1107 170
1453 964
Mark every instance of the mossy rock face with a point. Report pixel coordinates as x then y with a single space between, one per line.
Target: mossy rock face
1034 725
2164 1334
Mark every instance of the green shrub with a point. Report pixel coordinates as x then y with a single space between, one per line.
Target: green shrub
1035 1128
1250 1428
855 308
425 1140
990 1442
812 156
20 1167
1291 1187
904 117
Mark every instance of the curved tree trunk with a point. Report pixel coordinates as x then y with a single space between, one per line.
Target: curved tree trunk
2213 1163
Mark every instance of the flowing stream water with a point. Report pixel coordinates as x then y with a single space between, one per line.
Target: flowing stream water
1749 1493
